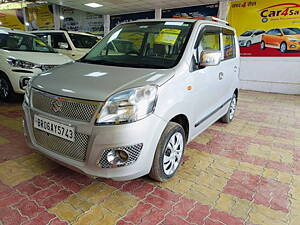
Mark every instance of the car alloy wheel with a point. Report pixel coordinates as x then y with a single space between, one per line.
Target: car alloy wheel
262 45
232 108
4 88
283 47
248 44
173 153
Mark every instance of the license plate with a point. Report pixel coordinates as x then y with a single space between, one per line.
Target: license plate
57 129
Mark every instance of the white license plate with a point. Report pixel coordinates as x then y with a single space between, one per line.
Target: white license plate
57 129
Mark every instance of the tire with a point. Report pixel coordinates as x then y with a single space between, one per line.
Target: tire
229 116
168 159
6 90
283 47
248 44
262 45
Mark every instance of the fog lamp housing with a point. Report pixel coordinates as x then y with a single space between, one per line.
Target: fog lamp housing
117 157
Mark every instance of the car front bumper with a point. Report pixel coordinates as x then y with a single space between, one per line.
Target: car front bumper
101 138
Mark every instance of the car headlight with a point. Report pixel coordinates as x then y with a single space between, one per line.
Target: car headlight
27 93
128 106
18 63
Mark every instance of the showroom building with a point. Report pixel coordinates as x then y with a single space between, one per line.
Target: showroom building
150 112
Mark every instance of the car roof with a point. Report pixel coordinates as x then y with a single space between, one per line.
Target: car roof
15 31
199 21
57 31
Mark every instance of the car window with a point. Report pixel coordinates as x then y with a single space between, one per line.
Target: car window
210 39
247 34
43 36
274 32
57 39
228 44
83 41
23 42
291 31
259 32
158 44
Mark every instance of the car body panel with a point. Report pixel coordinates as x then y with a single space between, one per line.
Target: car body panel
275 41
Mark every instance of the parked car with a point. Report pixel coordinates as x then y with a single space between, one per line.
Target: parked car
250 37
71 43
22 56
284 39
122 114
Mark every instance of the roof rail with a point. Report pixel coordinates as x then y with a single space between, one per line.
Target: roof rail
215 19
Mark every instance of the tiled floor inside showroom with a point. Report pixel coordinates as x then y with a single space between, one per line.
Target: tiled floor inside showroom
247 172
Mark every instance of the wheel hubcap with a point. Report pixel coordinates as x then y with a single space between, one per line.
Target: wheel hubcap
232 108
283 47
173 153
3 88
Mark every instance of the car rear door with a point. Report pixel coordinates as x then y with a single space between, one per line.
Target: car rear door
229 66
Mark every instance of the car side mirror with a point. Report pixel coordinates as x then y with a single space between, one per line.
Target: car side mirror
63 45
210 58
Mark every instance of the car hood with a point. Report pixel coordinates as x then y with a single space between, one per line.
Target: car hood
296 36
39 57
97 82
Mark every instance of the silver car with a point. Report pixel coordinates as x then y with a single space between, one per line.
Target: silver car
129 106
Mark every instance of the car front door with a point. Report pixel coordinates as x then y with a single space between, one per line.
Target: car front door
206 81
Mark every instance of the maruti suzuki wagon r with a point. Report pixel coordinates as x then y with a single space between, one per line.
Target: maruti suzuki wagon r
129 106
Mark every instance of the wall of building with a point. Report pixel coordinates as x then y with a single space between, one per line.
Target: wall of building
279 74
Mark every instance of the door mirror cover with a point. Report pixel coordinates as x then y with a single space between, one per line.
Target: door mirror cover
210 58
63 45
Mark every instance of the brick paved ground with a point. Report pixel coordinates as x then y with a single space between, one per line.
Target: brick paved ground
247 172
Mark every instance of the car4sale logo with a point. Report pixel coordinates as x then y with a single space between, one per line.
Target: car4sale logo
282 11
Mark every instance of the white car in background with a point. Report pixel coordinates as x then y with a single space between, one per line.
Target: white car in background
250 37
22 56
71 43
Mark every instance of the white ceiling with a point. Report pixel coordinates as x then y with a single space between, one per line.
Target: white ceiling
113 7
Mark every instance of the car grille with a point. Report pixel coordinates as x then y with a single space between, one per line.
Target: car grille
47 67
69 108
75 150
133 153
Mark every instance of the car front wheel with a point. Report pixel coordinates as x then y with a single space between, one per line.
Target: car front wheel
262 45
169 152
6 91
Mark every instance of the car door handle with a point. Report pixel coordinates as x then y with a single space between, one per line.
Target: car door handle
221 76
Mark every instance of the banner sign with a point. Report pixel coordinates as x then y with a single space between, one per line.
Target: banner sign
192 12
12 19
115 20
267 28
40 17
77 20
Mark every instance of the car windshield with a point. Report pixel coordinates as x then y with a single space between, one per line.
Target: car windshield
291 31
83 41
142 44
247 34
23 42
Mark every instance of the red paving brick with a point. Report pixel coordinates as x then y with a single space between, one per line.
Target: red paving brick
29 201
